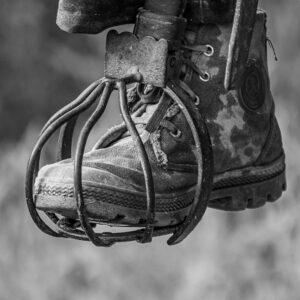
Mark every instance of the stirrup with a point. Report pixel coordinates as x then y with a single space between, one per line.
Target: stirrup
117 78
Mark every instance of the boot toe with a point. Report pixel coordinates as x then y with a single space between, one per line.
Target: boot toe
109 195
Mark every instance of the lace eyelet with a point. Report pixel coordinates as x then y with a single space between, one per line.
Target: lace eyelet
205 77
197 100
209 50
176 134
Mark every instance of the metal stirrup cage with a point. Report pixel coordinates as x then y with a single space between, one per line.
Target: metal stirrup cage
65 120
99 93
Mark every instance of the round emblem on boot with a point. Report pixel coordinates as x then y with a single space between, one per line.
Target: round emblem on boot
252 88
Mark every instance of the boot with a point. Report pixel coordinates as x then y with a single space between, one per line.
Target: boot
249 167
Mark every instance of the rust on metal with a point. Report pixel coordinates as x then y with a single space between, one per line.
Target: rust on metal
126 55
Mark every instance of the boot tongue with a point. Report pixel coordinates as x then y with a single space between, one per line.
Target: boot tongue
147 112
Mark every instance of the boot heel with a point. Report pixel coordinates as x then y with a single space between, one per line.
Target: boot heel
250 195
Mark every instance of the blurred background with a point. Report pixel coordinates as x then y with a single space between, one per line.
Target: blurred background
249 255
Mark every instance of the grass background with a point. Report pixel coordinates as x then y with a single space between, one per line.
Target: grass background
249 255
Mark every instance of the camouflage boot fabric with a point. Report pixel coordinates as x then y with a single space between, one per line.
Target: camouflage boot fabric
248 154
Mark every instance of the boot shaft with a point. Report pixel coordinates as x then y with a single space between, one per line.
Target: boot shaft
241 121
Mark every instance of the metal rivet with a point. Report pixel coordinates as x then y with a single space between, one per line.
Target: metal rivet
205 77
209 50
176 134
197 100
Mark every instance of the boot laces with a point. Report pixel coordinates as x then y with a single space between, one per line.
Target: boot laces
140 96
149 95
207 50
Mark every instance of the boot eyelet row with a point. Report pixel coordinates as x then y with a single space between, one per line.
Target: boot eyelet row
209 50
205 77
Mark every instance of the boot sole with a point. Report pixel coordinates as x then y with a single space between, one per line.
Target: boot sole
249 188
237 190
248 196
